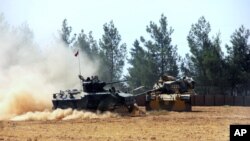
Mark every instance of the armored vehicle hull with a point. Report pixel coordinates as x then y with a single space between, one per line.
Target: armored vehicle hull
102 101
171 94
94 97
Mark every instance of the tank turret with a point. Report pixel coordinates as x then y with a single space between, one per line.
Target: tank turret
170 93
93 84
170 85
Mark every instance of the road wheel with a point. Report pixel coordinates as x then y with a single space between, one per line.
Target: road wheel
108 104
188 107
147 106
82 104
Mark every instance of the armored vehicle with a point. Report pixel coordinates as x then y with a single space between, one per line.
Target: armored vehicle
95 97
171 94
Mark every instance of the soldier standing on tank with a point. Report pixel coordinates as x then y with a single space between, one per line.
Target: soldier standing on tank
88 79
158 85
95 79
81 77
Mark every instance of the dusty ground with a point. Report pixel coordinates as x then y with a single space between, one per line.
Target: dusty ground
204 123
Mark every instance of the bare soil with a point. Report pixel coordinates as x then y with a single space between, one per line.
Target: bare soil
203 123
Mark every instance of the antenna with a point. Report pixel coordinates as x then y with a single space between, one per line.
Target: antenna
79 64
77 54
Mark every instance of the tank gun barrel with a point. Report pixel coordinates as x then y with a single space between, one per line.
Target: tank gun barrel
108 83
148 91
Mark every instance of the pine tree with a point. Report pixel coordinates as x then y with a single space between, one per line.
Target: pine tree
199 42
112 53
141 71
238 60
163 53
87 44
206 56
66 33
156 57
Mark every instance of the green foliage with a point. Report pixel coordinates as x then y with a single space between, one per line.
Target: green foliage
213 62
4 26
153 57
87 44
158 56
66 33
160 48
207 57
112 53
187 66
141 72
238 60
199 43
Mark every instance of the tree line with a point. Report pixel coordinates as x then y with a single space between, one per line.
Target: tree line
213 71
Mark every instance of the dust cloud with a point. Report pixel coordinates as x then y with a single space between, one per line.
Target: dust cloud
30 74
59 114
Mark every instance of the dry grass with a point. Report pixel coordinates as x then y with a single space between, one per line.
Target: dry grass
204 123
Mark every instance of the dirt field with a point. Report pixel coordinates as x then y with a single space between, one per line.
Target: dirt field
204 123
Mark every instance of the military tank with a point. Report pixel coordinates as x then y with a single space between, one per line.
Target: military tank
171 94
94 97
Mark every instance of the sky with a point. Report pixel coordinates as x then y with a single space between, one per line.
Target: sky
131 17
